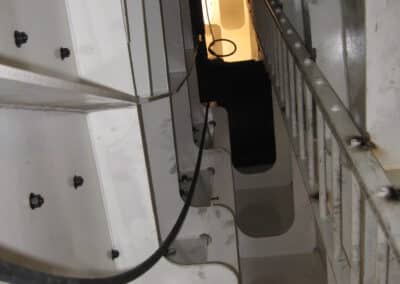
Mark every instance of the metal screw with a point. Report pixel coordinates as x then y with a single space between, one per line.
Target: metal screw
35 201
20 38
361 142
114 254
390 193
64 53
78 181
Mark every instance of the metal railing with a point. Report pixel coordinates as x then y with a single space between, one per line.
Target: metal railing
335 158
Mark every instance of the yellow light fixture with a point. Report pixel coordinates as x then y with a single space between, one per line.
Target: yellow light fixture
230 19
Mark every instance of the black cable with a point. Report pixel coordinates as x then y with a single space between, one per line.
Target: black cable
215 41
15 274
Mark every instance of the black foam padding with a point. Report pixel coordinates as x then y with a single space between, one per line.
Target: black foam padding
244 89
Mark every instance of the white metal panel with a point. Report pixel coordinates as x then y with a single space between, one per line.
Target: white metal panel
46 24
215 221
147 47
118 149
138 46
156 30
101 43
174 35
117 143
40 153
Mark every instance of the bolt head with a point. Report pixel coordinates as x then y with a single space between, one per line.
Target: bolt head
20 38
35 201
114 254
78 181
64 53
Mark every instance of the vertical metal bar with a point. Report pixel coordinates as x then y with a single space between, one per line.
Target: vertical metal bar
382 259
337 201
269 42
321 165
273 80
277 57
292 87
310 136
369 243
300 112
286 79
355 276
281 70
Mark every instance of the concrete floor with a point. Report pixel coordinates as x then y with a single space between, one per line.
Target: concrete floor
290 269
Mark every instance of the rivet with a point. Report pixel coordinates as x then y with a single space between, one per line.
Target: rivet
78 181
35 201
114 254
20 38
297 45
64 53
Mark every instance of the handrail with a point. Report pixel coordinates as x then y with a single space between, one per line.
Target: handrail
314 111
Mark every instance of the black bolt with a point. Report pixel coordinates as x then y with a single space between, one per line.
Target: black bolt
20 38
64 53
114 254
35 201
78 181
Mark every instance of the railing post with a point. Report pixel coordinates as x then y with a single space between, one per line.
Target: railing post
281 70
310 136
382 258
337 201
321 165
292 90
355 233
270 45
286 78
300 112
